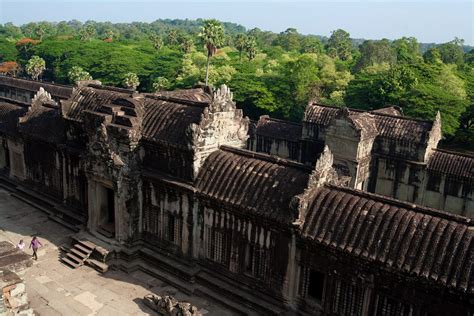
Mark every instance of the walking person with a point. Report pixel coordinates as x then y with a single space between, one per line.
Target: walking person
35 244
21 245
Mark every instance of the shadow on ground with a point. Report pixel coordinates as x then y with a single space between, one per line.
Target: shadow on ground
56 289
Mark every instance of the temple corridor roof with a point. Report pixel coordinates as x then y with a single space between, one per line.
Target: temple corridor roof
9 115
425 243
389 126
258 183
278 129
166 115
56 90
452 163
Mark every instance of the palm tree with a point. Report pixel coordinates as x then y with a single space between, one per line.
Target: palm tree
187 45
157 41
78 74
240 43
160 84
172 37
131 80
212 34
251 48
35 66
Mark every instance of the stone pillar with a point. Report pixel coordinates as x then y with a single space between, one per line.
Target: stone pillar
289 287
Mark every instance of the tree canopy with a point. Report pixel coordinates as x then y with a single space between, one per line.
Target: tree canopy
269 73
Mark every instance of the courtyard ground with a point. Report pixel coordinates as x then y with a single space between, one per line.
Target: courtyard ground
55 289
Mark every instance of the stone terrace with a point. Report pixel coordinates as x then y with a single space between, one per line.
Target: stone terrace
55 289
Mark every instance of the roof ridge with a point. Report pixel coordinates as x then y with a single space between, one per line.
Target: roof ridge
279 120
110 88
400 117
266 157
374 113
37 81
452 152
178 100
16 102
407 205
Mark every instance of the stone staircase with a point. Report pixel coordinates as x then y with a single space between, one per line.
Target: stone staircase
78 254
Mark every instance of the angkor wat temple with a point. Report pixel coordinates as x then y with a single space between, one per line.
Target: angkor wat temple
348 213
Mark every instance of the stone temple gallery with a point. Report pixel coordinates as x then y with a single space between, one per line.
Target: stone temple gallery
346 213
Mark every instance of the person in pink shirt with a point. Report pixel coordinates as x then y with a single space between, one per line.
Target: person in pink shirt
35 244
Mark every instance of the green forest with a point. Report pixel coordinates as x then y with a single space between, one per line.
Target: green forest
269 73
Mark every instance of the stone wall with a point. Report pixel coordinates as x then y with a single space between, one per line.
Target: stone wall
14 299
328 283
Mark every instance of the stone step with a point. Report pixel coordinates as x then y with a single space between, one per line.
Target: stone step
75 258
64 223
139 265
83 249
252 299
236 308
31 203
70 263
55 209
99 266
105 232
79 253
87 244
177 267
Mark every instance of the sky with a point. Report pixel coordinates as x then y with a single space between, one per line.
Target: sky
429 21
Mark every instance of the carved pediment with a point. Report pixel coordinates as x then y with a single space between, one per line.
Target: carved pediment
42 97
222 100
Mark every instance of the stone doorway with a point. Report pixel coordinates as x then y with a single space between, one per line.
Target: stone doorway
106 225
102 208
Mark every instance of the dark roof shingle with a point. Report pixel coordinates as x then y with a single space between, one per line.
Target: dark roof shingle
432 245
166 118
451 163
278 129
259 184
9 115
57 91
391 127
45 124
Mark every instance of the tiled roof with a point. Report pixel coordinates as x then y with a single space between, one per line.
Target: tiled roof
452 163
257 183
392 127
57 91
45 124
403 129
9 114
279 129
420 242
320 115
196 94
168 121
166 118
87 98
390 110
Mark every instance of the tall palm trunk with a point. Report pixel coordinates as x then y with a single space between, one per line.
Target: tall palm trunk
207 67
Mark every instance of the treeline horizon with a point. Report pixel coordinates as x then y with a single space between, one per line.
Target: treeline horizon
230 27
270 73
